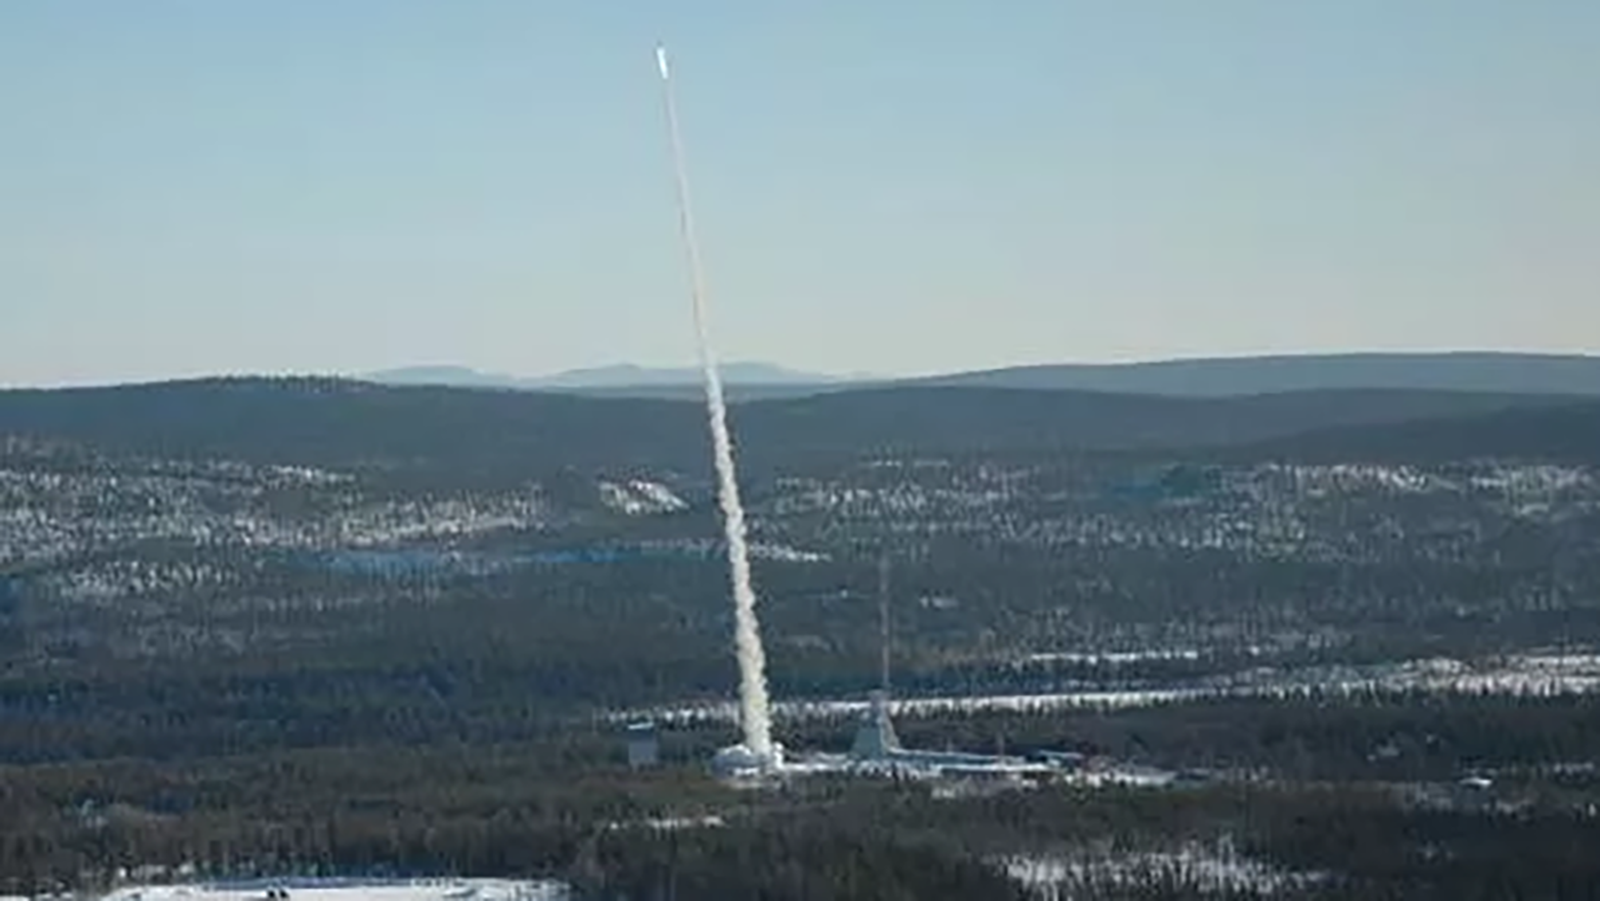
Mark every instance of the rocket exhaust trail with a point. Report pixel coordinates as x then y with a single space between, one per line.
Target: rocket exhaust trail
754 713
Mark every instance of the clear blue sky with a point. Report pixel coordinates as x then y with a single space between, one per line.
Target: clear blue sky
893 186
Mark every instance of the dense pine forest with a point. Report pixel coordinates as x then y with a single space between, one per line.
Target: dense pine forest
313 626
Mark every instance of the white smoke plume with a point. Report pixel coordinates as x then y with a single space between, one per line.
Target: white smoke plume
754 707
753 703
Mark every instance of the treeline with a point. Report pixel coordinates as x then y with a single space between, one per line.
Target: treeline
562 805
1345 843
1320 736
331 422
478 810
447 702
306 658
805 861
519 811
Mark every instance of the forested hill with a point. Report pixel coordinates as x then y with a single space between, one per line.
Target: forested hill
338 422
1567 433
1523 373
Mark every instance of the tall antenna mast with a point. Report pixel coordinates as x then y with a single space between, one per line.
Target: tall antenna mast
883 622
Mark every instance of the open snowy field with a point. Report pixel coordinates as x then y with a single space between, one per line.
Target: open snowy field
349 890
1540 674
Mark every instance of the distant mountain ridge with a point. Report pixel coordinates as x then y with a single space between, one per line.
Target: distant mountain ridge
601 378
1573 375
1471 371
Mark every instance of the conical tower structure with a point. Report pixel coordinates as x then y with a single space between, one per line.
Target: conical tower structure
875 740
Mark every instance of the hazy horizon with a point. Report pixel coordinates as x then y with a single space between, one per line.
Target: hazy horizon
194 189
691 368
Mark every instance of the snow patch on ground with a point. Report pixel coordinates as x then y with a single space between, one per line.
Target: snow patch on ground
350 890
640 497
1215 869
1530 675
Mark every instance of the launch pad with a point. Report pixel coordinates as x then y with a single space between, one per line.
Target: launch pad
876 751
